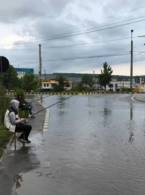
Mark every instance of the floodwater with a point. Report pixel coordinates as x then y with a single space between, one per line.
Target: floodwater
94 145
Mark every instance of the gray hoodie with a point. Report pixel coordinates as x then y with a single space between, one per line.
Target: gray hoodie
13 112
11 116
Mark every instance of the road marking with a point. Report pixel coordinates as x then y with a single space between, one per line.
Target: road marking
46 121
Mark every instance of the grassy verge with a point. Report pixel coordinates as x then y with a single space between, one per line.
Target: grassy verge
4 133
4 138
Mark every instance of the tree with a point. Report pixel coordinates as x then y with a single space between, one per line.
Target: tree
4 100
60 86
30 82
87 80
9 79
106 75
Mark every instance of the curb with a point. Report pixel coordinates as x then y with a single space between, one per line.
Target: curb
139 98
45 124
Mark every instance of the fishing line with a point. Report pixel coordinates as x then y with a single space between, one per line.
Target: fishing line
60 101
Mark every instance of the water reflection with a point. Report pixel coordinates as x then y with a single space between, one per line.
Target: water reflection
18 179
107 112
14 165
75 162
131 110
61 100
131 124
61 104
41 99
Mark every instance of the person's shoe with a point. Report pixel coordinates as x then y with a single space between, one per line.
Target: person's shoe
21 136
31 116
28 141
22 140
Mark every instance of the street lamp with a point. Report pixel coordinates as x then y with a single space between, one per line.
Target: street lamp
131 61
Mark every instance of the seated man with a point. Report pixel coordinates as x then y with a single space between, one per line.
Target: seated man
15 124
24 105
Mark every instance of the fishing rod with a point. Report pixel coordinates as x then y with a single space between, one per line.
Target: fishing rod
60 101
37 99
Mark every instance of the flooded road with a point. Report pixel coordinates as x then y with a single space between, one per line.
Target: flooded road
94 145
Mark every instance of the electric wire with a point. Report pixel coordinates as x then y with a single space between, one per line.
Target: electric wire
97 29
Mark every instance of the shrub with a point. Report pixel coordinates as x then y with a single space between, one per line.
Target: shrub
4 102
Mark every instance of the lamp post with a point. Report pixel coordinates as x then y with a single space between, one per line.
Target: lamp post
131 62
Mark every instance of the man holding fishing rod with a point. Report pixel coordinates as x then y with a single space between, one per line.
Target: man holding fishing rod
14 123
24 105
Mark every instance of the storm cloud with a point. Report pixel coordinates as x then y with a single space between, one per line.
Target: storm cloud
71 32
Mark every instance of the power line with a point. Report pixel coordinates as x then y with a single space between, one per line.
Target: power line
87 57
81 57
76 44
137 8
94 28
87 44
91 30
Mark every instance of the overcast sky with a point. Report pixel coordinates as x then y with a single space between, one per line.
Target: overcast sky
76 35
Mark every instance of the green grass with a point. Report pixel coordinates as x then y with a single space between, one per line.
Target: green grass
4 138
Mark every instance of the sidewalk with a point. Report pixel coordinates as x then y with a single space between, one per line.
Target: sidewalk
23 159
37 124
38 121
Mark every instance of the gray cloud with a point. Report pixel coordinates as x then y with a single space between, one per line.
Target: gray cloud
43 20
12 11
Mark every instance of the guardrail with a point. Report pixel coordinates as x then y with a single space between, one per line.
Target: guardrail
69 93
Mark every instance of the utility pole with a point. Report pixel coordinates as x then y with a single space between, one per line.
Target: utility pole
131 62
40 62
40 66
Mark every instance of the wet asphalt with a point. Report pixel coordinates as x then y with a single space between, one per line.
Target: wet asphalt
23 159
93 145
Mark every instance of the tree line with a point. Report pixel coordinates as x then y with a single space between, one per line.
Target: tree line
30 82
10 80
88 82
